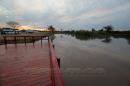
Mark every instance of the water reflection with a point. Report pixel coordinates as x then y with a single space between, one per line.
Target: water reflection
61 36
52 37
90 62
128 40
107 40
104 38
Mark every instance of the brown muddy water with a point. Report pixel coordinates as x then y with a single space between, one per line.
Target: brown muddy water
94 62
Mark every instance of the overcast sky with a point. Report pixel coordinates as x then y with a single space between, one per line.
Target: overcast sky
67 14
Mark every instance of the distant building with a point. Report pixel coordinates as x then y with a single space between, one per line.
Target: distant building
29 31
9 31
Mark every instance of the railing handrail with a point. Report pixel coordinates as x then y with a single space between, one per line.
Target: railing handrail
26 36
5 38
56 76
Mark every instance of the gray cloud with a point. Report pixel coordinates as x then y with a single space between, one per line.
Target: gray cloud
67 14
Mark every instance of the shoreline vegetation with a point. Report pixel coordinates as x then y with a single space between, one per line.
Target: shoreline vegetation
106 30
116 34
105 33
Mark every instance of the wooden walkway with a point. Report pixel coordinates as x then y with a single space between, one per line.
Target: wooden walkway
30 65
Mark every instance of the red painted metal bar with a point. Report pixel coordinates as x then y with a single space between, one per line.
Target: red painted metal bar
56 77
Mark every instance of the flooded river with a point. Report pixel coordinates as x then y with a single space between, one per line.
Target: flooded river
94 62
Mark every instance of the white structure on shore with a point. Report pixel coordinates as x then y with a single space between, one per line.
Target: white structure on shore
9 31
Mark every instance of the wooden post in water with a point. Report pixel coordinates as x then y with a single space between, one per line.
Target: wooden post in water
15 41
41 40
48 39
25 40
5 41
58 60
33 40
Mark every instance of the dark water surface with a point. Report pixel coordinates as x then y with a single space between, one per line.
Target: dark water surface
94 62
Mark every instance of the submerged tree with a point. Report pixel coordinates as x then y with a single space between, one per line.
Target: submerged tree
107 40
93 30
108 28
51 28
101 30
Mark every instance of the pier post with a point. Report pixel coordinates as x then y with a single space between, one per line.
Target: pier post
15 41
41 40
48 39
33 40
58 60
25 40
5 41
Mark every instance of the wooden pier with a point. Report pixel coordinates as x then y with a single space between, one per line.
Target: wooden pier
29 64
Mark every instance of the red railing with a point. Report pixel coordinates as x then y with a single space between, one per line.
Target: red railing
56 77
